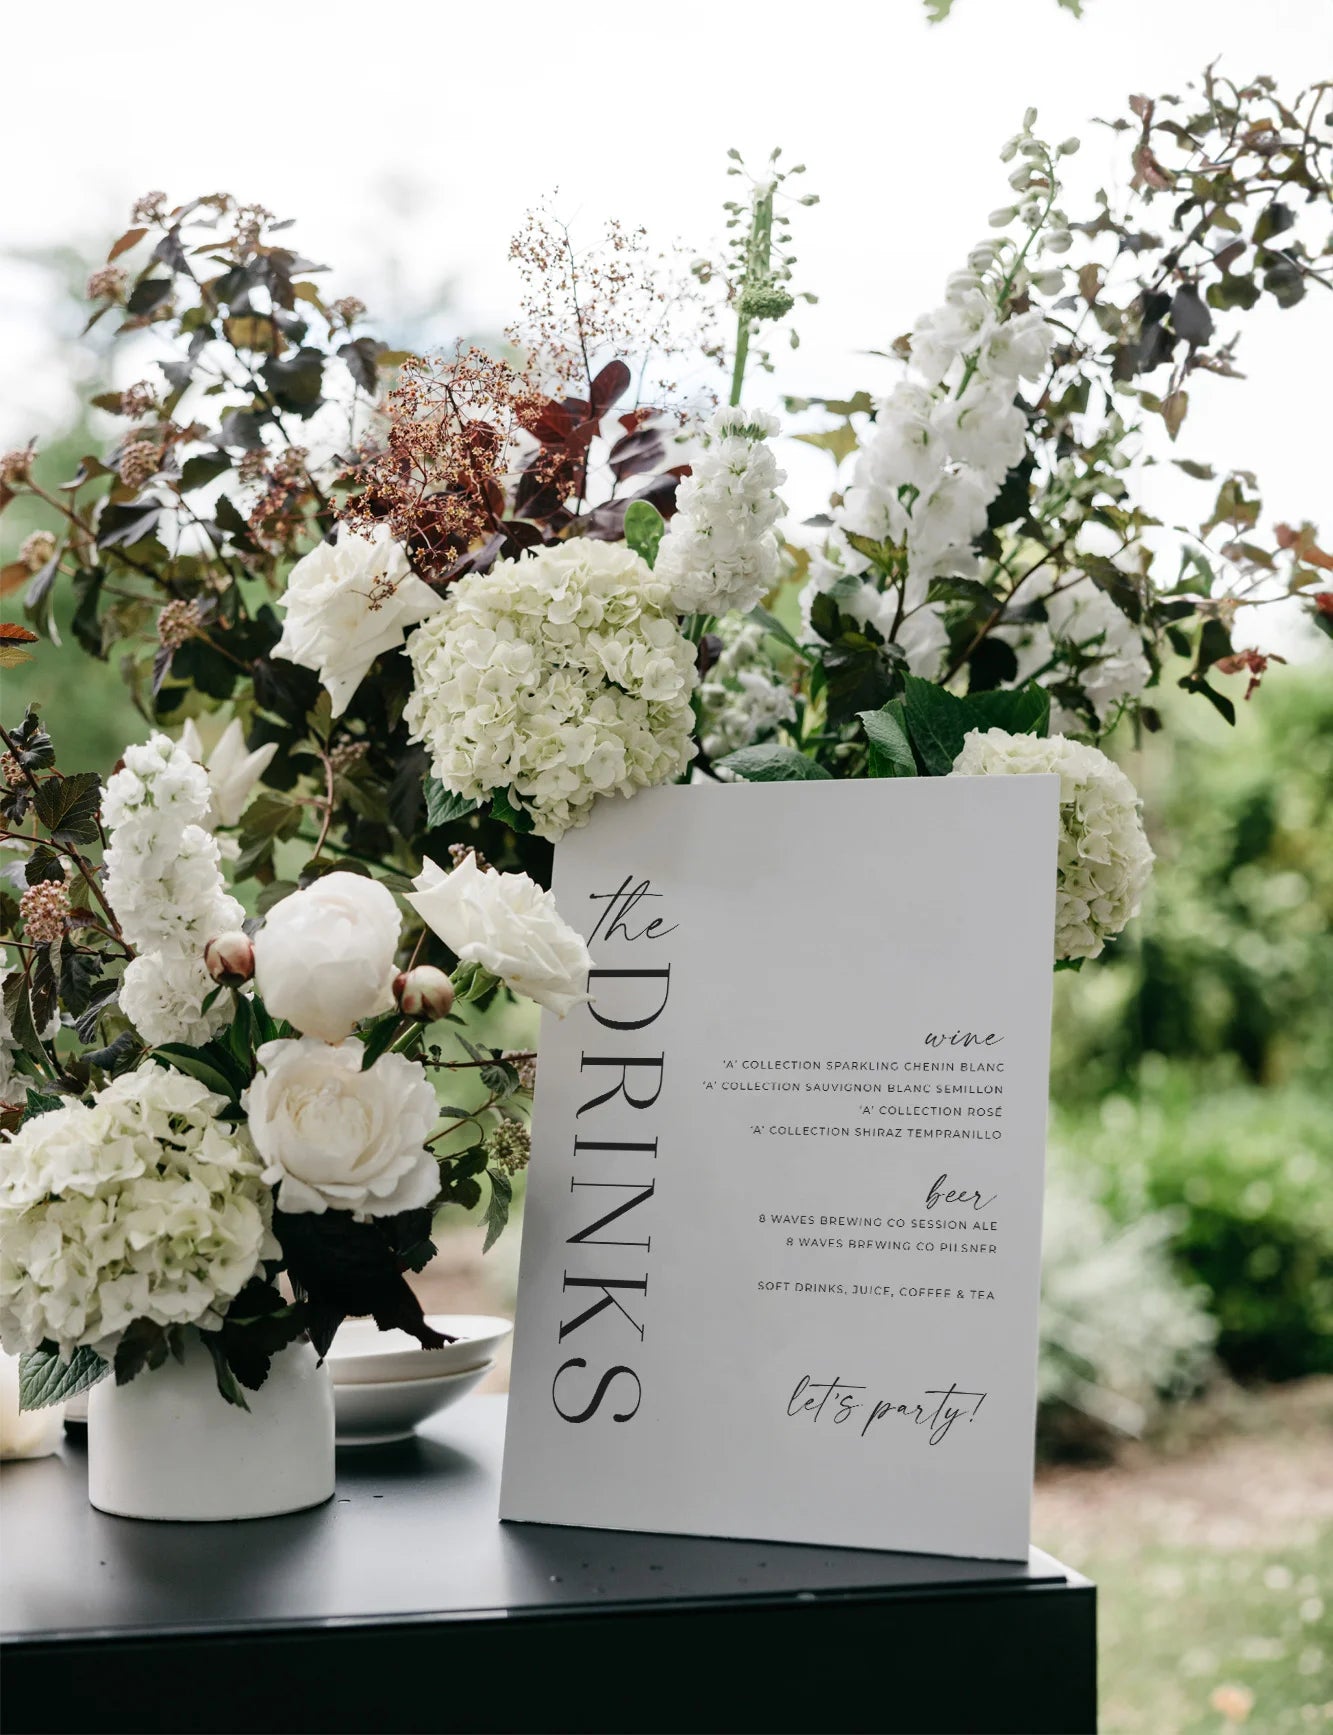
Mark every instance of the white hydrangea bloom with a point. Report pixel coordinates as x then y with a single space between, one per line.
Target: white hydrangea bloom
1105 860
164 882
1082 623
743 698
560 676
138 1205
720 552
346 602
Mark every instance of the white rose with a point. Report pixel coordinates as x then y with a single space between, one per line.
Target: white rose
348 601
324 958
338 1138
232 771
508 925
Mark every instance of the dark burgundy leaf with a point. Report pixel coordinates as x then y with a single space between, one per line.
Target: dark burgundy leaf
637 452
609 386
1190 318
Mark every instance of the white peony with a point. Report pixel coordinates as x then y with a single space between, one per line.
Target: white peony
232 770
324 958
1105 861
138 1205
347 602
336 1137
720 552
508 925
554 679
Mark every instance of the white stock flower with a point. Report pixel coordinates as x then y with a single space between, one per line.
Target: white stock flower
720 552
181 907
1105 861
939 451
346 603
743 698
138 1205
921 635
158 791
984 429
1020 348
555 678
508 925
232 770
324 958
335 1137
164 882
1085 641
163 994
957 328
944 522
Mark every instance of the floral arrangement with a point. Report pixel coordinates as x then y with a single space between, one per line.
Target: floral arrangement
431 611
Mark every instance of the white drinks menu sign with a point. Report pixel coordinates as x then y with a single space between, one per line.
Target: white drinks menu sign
782 1237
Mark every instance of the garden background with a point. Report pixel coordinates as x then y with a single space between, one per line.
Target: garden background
1188 1334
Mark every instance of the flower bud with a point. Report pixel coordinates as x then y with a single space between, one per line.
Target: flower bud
423 992
1005 215
230 958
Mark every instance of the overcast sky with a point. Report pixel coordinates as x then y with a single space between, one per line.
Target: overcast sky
419 133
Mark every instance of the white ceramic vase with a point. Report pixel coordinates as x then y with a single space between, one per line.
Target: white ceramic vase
168 1446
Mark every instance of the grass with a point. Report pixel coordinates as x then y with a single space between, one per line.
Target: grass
1213 1557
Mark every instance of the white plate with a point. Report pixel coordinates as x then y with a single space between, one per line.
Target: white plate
362 1354
373 1414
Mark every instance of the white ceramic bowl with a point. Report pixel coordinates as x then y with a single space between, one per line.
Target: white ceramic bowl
373 1414
362 1354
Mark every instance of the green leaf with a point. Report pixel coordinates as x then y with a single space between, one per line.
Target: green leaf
890 750
143 1344
443 806
503 809
213 1066
45 1379
644 529
771 763
473 982
67 806
203 468
771 624
1022 710
937 723
378 1038
839 442
228 1385
497 1211
39 1103
969 590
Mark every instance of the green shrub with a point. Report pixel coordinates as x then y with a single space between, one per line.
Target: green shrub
1249 1173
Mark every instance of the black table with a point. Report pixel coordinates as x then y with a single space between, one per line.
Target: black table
403 1605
